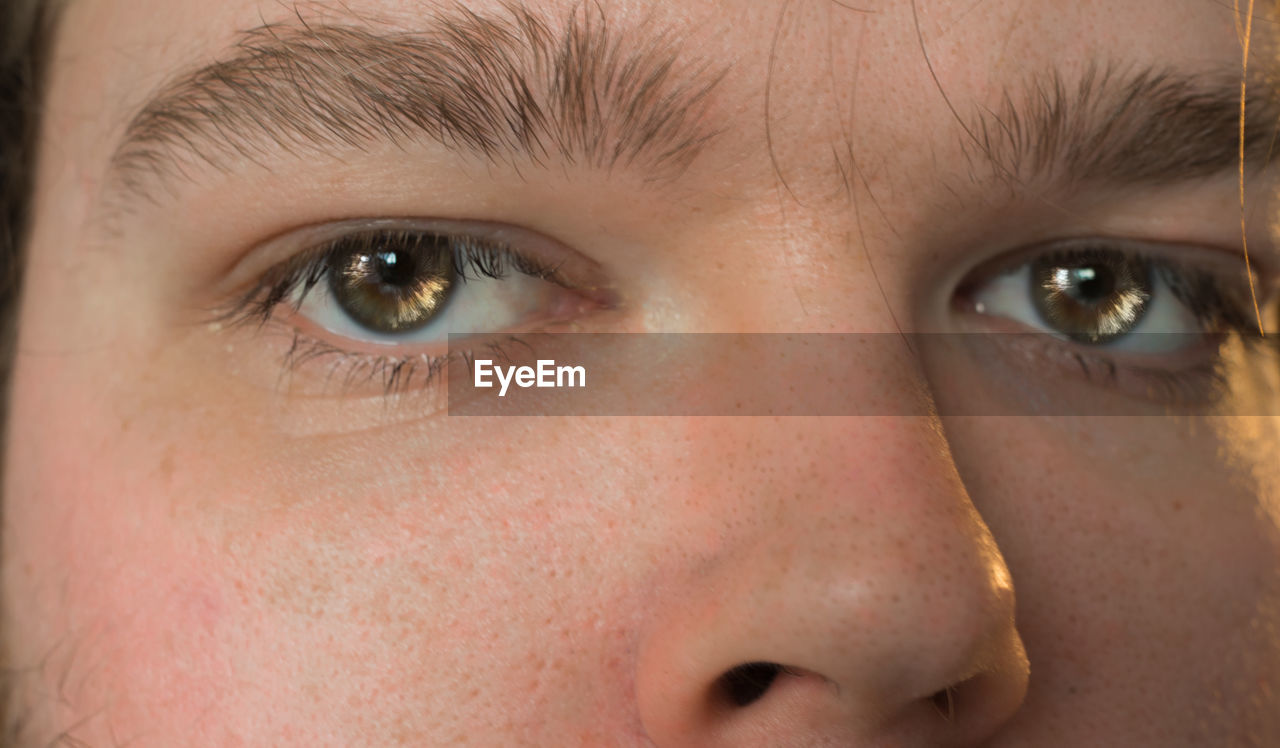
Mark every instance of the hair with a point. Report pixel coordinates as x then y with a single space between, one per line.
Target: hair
25 35
24 26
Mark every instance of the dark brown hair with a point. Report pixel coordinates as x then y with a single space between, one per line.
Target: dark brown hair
23 43
25 27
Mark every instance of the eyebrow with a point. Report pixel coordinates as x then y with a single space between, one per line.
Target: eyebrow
1125 127
504 87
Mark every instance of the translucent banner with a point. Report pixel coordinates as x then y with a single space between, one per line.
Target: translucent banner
854 374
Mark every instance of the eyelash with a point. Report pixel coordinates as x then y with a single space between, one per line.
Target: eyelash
1217 308
473 258
290 283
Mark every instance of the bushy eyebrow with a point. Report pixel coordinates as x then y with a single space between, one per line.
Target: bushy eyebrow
1125 127
505 87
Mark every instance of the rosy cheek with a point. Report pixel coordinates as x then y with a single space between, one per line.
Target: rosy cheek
173 650
119 596
153 617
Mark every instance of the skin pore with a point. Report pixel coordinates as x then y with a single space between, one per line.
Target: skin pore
212 540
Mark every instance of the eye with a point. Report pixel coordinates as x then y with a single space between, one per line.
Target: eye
1113 295
385 296
420 284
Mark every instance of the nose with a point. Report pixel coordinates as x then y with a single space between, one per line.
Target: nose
853 596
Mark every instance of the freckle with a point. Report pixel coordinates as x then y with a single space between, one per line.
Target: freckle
1177 505
166 466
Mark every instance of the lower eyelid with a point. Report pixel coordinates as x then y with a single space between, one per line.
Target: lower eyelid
308 363
1035 368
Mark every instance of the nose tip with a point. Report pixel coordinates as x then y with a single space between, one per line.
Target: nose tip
854 598
916 664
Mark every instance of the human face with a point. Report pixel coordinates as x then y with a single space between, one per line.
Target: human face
200 550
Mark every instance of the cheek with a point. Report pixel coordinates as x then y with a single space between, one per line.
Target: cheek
203 571
445 577
115 584
1145 562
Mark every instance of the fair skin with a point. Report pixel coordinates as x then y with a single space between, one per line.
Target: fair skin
196 553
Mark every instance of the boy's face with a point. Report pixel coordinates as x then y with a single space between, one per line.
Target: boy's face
209 541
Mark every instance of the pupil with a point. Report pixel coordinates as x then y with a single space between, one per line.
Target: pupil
392 270
1092 286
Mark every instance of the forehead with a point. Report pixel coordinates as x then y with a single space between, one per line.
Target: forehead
1020 29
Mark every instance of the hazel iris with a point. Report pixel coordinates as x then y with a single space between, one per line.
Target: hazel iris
1092 295
394 284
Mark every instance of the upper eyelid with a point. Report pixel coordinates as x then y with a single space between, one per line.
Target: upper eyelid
315 265
1162 252
280 249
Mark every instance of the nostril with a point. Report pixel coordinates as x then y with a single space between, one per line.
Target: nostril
945 702
948 702
747 683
